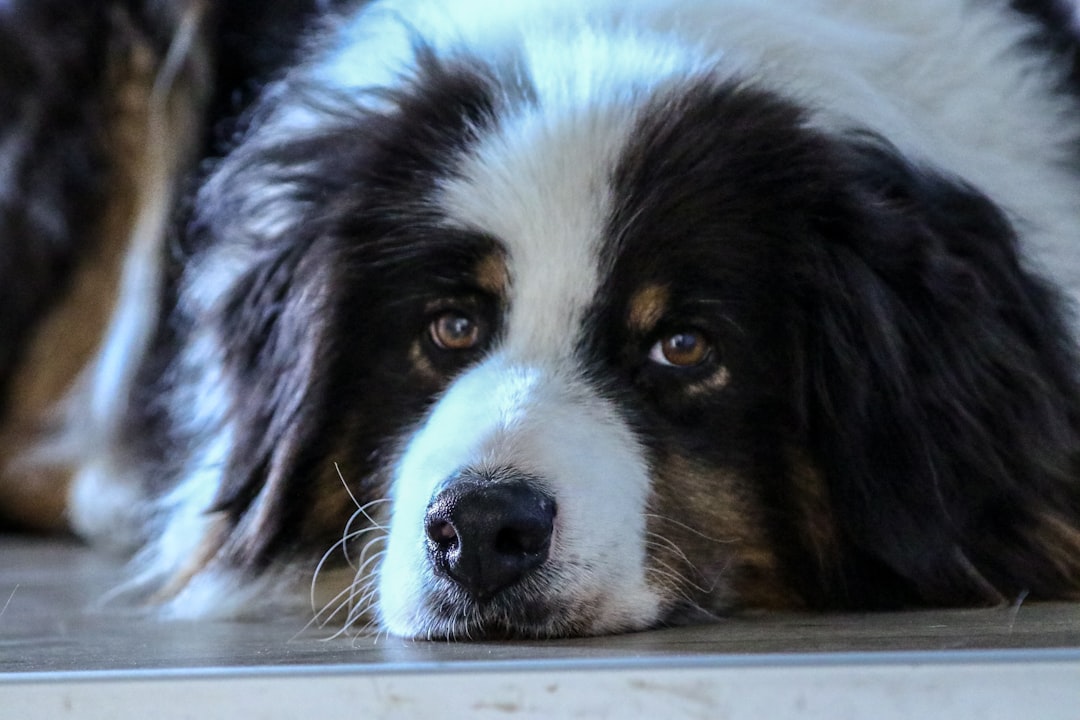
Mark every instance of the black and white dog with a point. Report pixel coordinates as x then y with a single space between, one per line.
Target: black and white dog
546 317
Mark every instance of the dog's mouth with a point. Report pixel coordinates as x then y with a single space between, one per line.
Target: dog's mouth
532 612
522 612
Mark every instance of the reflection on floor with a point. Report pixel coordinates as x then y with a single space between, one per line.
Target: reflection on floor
48 591
61 657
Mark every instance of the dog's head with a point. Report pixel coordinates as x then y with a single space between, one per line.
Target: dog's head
624 353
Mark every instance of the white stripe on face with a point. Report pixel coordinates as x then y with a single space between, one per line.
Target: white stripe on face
540 184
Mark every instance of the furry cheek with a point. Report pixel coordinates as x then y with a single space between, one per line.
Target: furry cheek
708 550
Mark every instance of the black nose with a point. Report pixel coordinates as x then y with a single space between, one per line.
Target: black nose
486 534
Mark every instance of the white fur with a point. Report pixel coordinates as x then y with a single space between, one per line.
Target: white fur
175 526
539 184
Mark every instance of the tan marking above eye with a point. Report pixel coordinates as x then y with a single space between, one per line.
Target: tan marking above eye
684 349
454 331
647 307
492 274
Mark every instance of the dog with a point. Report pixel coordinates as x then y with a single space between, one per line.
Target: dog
546 318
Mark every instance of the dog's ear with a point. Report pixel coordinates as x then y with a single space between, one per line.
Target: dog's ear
938 392
259 291
276 357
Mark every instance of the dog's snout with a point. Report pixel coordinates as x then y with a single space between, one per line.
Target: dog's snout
486 535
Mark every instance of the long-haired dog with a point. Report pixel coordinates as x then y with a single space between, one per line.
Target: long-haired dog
545 317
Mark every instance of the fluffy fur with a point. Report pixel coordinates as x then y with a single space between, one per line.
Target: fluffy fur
467 319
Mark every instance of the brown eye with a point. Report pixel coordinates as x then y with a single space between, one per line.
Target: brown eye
454 331
681 350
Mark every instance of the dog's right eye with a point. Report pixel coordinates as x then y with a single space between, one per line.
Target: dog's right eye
454 331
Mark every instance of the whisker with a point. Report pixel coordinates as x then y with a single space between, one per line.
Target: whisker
10 598
341 477
359 595
668 543
342 543
361 508
363 531
346 535
318 569
677 589
362 606
329 610
355 535
366 631
365 562
373 525
693 530
363 609
361 587
347 600
680 577
335 605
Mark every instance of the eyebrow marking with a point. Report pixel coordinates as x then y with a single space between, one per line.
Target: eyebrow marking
492 274
647 307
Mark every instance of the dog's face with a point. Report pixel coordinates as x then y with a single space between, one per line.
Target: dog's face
584 346
593 362
559 336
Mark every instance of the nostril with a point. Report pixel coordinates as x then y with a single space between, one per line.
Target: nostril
529 535
441 532
511 542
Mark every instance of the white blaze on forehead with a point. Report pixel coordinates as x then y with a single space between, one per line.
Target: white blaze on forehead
540 185
539 181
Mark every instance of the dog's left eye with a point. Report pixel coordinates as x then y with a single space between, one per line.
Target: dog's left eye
685 349
454 331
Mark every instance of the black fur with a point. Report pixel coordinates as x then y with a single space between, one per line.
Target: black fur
255 41
874 315
940 388
1059 31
